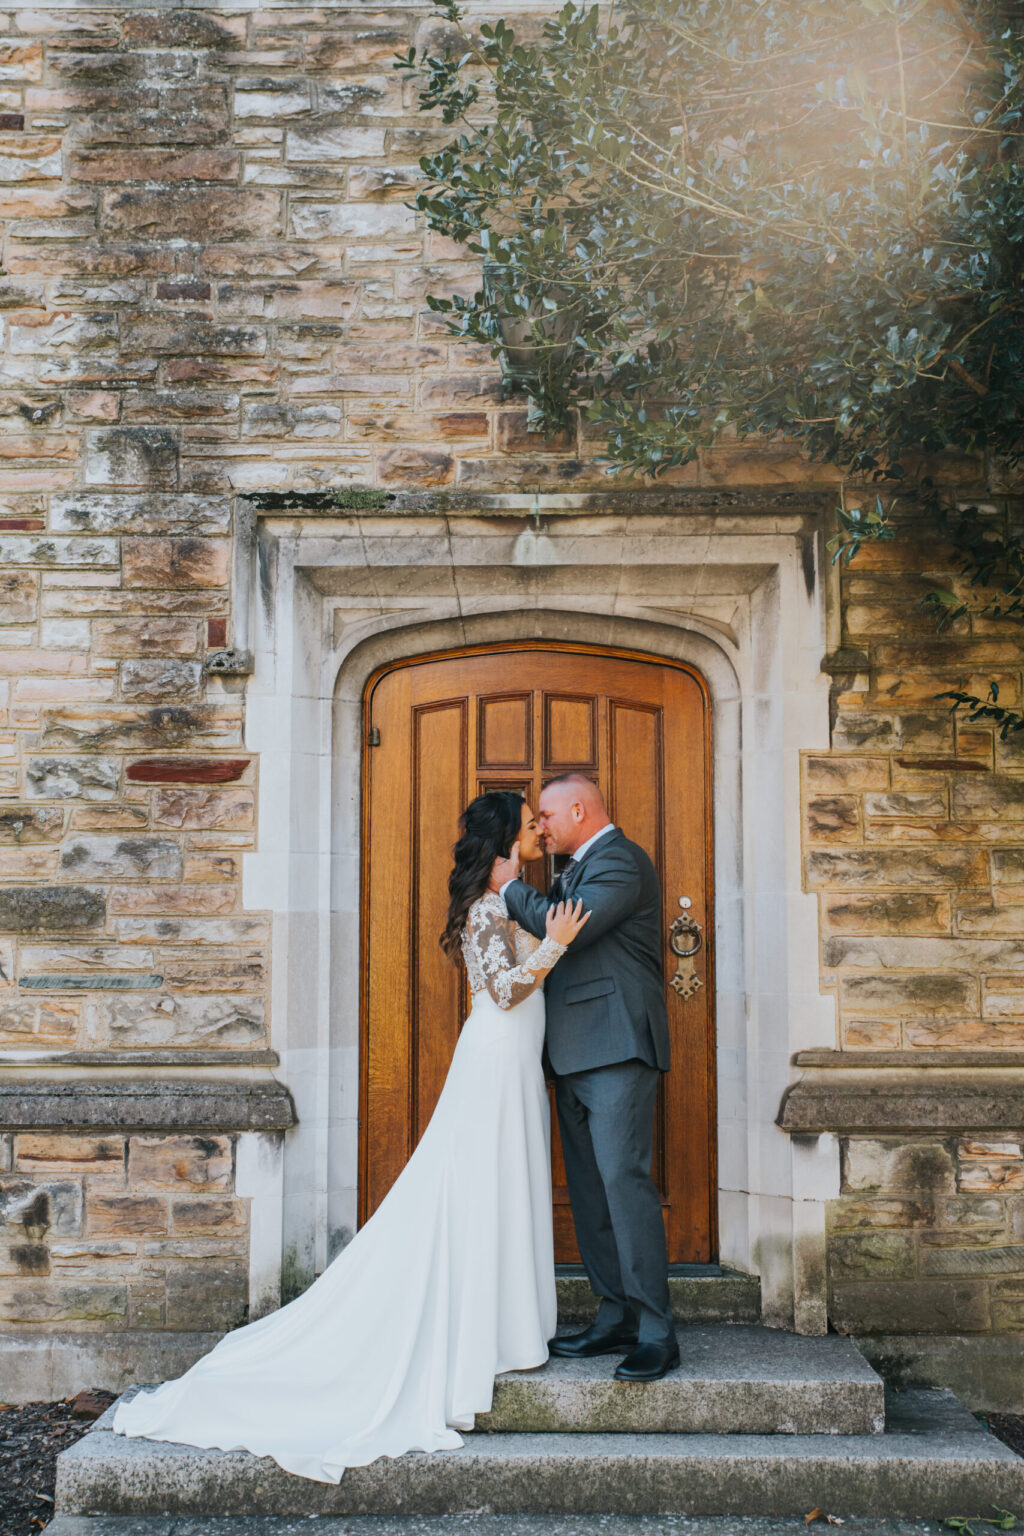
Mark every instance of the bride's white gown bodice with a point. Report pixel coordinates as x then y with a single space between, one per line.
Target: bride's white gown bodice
395 1348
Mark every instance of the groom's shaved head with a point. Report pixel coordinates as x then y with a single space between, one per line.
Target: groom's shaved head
570 810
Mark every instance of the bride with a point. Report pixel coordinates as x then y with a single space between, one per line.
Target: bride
396 1346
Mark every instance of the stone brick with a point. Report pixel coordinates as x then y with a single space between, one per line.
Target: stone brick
1003 997
203 808
317 145
870 1034
60 1153
128 165
175 562
51 909
968 1034
186 29
39 1206
902 912
196 215
168 1162
28 157
848 1214
909 1306
207 1215
73 778
28 863
994 795
94 512
53 1303
351 221
163 1019
833 819
212 1296
60 554
415 467
160 727
131 456
876 1253
19 597
897 1167
120 858
273 100
166 678
902 867
940 993
30 824
145 637
129 1214
995 1175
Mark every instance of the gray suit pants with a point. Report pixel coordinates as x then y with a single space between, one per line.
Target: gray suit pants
606 1117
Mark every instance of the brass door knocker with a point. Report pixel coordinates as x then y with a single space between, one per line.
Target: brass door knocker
684 940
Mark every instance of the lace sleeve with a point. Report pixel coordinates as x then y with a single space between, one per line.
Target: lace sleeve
492 935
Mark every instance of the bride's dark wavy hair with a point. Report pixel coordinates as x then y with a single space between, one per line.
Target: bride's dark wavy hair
489 825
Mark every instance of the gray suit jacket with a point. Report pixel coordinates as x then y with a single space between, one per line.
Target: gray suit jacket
605 998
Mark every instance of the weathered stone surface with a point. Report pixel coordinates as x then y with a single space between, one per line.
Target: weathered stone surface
73 778
163 1019
168 1162
166 678
195 215
42 1153
139 1104
901 1105
117 858
21 824
40 1206
131 456
112 512
51 909
175 562
203 808
164 726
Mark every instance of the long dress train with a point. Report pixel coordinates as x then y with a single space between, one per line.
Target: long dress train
395 1347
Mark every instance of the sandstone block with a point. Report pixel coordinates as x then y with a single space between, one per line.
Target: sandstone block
63 554
110 512
897 867
909 1306
162 727
51 909
383 181
317 145
52 1021
994 795
833 818
985 1149
848 1214
352 221
163 1019
164 678
858 730
196 215
1003 998
28 157
870 1034
23 824
905 805
897 1167
50 1302
376 41
210 1295
131 456
900 912
171 900
145 637
175 562
419 467
46 1153
245 929
119 858
129 1214
996 1175
272 418
21 60
951 1034
28 863
272 100
168 1162
207 1215
204 868
876 1253
191 334
39 1206
184 29
128 165
19 596
204 808
214 975
73 778
6 1153
929 994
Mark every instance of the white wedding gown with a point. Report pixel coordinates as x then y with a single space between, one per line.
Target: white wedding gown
395 1348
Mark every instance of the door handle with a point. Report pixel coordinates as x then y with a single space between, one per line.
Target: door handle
685 938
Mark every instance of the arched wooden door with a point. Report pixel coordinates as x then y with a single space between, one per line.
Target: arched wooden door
440 730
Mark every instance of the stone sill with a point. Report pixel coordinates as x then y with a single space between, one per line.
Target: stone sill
79 1104
961 1104
142 1058
765 501
953 1061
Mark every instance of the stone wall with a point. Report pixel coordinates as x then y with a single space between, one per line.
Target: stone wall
113 1232
212 288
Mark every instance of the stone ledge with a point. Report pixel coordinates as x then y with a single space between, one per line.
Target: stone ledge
139 1105
158 1056
959 1105
759 501
951 1060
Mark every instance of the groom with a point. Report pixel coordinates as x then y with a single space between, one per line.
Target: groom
607 1041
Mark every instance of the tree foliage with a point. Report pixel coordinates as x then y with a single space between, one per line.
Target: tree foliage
771 218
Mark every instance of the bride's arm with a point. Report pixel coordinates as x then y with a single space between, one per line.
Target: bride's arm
492 935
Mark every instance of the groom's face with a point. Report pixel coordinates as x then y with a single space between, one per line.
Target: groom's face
560 817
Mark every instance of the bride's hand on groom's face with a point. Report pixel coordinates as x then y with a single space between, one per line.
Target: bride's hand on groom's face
505 869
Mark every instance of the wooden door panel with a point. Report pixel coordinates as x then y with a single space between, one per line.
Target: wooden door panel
511 718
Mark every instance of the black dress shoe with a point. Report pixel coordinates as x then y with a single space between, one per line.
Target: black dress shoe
649 1362
593 1341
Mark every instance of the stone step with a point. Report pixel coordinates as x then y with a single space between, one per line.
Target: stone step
474 1524
731 1380
702 1294
933 1460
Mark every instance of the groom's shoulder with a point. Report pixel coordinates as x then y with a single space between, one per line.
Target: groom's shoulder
620 849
